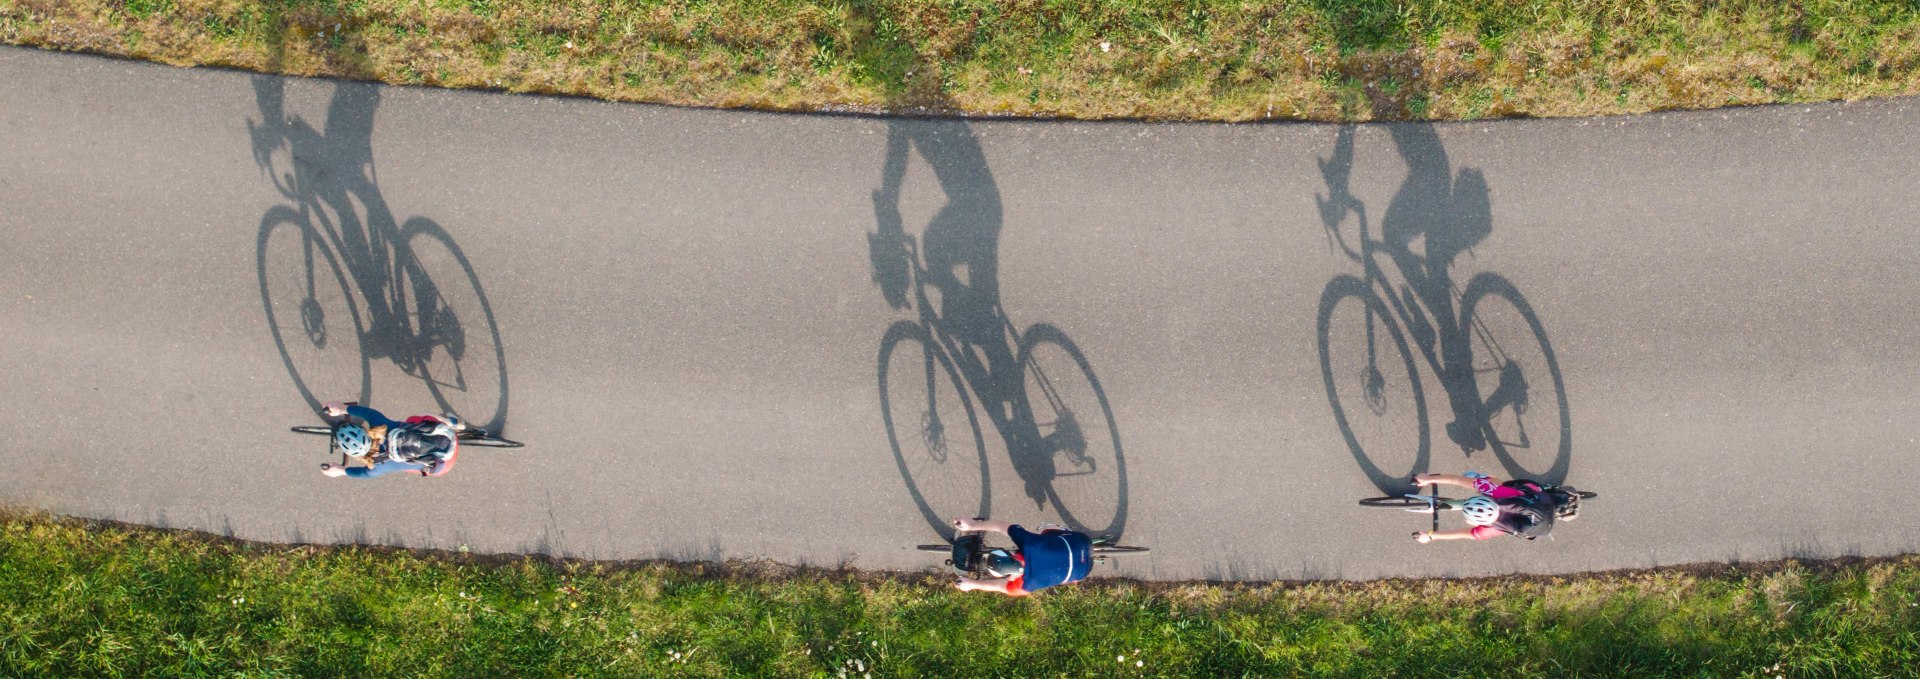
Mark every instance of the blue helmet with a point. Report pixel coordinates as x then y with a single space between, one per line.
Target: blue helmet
352 440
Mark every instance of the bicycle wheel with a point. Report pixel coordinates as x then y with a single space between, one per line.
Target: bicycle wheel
1117 550
935 548
311 310
1069 410
1527 424
1377 400
1585 495
1402 502
483 439
458 350
323 431
924 405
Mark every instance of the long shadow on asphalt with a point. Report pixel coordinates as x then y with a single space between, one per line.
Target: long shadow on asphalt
958 356
1485 344
344 283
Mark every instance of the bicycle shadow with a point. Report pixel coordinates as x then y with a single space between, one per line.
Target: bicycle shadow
1484 343
962 357
344 283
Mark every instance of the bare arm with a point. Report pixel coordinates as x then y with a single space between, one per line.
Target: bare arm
1455 534
982 525
1448 480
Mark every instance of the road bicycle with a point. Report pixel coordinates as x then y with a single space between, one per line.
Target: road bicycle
1057 424
418 302
1492 357
1431 502
469 436
970 554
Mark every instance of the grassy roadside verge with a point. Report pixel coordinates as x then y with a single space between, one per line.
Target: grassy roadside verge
1157 59
80 599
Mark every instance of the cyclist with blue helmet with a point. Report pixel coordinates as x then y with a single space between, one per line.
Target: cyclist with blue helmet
423 444
1040 560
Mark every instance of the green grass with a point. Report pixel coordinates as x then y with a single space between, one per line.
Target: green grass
79 599
1156 59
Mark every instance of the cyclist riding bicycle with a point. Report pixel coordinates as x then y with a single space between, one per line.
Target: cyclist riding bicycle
1520 508
1039 560
423 444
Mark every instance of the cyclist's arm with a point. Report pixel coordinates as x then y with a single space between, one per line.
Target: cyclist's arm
384 468
1473 533
1453 480
1007 586
1001 527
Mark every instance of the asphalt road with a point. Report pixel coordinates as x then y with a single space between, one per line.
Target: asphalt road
680 311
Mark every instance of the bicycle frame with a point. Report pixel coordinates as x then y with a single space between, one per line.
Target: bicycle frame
375 259
1018 426
1443 342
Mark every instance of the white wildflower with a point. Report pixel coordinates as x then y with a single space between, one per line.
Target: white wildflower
1106 46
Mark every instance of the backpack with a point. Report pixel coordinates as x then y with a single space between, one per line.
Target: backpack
1534 510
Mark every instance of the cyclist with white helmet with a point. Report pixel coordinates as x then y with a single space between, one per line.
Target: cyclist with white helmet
1040 560
423 444
1520 508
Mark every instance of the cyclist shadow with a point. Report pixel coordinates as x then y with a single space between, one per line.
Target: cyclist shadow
344 283
1484 343
962 357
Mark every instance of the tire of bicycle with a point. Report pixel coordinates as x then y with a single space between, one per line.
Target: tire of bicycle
1479 289
1393 502
1587 495
1072 510
1115 550
1338 290
907 430
283 217
483 439
322 431
935 548
479 341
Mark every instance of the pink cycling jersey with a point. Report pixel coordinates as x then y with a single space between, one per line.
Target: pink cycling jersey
1498 492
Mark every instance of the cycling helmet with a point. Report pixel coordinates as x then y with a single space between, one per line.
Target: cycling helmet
1480 510
1003 565
352 440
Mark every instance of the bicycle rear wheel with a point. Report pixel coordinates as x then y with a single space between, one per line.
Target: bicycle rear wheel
322 431
1081 442
1119 549
935 548
1587 494
483 439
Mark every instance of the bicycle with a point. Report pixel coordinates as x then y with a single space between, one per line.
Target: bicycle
429 330
1043 434
1432 503
1492 393
469 436
968 553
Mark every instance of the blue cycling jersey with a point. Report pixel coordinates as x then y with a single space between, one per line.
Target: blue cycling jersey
1053 557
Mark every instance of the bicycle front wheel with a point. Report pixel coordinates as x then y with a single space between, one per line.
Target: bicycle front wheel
932 427
1393 502
322 431
1523 398
935 548
311 310
1076 429
1371 383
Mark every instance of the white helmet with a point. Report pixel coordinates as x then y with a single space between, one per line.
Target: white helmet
1480 510
352 439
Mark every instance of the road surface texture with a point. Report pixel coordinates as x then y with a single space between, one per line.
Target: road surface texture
1705 317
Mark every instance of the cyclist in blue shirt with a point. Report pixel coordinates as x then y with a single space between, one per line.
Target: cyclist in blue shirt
1040 560
426 445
